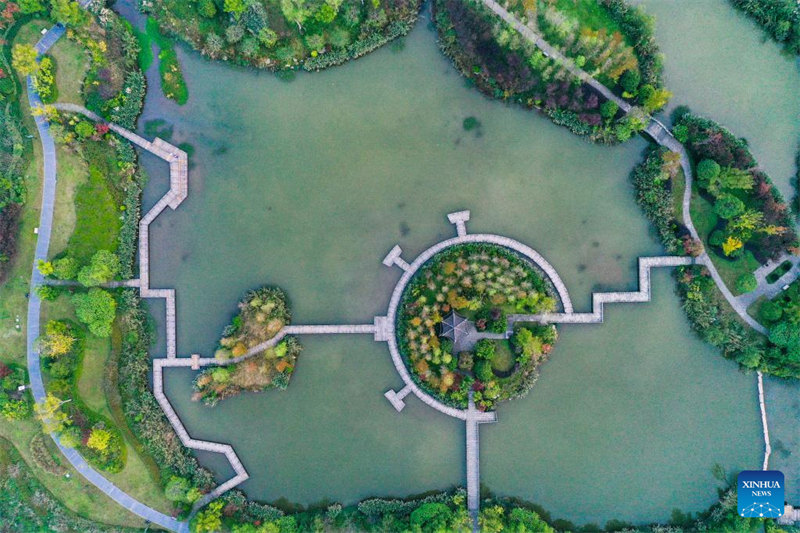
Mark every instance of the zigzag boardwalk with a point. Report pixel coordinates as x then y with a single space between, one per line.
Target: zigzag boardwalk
34 308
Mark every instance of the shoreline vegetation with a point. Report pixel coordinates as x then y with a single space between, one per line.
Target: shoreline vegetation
447 511
483 283
780 19
611 40
285 34
94 239
739 214
262 314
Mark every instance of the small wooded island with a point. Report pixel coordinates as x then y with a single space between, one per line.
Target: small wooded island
262 314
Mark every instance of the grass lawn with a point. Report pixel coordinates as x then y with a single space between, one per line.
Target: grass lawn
30 32
14 292
74 491
97 218
703 216
732 270
590 13
755 307
140 477
678 187
72 174
503 357
71 65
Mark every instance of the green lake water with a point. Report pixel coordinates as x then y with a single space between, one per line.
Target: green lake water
307 184
720 64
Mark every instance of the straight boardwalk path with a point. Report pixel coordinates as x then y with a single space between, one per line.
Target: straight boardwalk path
34 310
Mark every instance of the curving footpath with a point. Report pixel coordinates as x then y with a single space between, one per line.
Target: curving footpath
661 135
655 129
34 308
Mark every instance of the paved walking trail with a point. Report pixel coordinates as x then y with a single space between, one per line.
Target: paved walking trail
771 290
34 309
661 135
383 326
655 129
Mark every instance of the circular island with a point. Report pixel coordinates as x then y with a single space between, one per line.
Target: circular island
452 329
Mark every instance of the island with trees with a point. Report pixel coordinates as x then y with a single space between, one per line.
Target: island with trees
262 315
477 285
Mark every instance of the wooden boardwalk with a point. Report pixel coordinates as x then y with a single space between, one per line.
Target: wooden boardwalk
473 461
409 269
34 310
178 191
600 299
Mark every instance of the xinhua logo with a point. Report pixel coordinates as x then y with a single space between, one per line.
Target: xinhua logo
760 493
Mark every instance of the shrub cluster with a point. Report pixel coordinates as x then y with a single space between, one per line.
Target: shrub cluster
751 212
653 180
779 18
715 322
14 405
15 148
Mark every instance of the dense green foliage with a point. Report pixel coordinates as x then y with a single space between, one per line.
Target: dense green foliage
751 215
262 314
286 34
654 180
779 18
14 404
96 308
101 269
504 65
15 148
609 39
142 412
718 325
95 437
779 271
446 511
482 283
44 82
782 316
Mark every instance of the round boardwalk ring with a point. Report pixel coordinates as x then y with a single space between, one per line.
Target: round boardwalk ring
397 295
